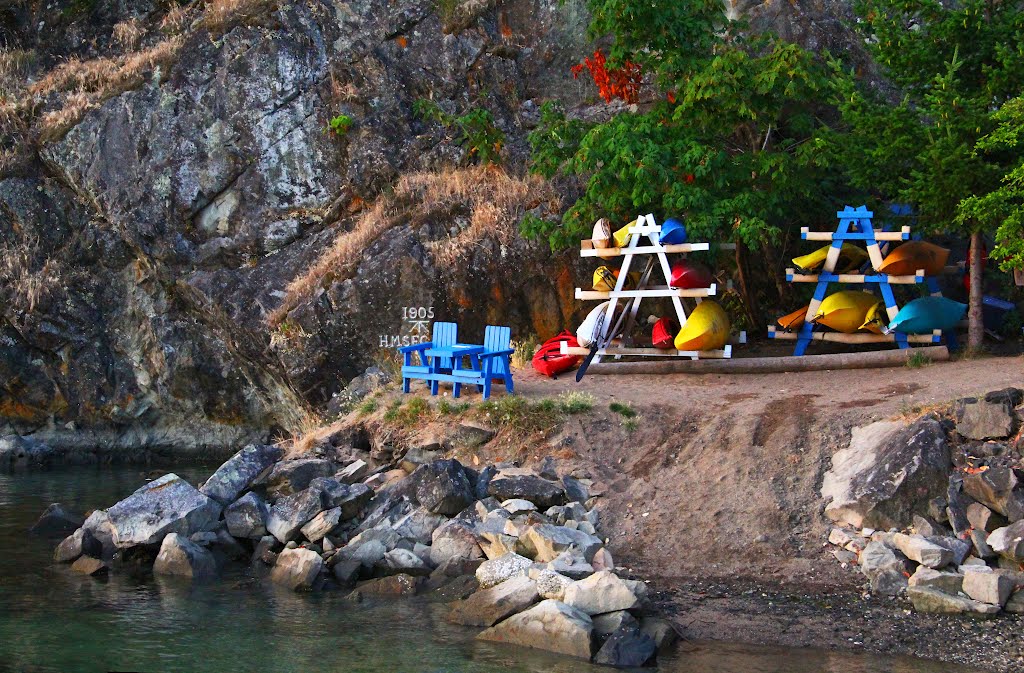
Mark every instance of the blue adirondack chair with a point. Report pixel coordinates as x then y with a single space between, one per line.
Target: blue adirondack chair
444 334
494 363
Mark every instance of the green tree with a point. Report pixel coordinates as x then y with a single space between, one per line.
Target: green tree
954 64
729 142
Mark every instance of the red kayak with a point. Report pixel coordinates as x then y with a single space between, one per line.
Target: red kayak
689 275
549 361
664 333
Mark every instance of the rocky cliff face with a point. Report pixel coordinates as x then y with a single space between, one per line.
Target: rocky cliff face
190 259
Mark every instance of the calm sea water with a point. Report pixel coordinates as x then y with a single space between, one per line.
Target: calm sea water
54 620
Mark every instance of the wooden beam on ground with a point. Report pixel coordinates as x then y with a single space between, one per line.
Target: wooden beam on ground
869 360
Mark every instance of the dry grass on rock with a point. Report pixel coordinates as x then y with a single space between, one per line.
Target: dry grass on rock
495 199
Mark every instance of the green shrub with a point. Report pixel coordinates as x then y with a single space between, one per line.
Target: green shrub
367 406
477 132
918 360
576 402
340 125
623 410
518 412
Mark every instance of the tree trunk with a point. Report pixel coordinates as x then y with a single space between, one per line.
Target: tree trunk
975 326
753 314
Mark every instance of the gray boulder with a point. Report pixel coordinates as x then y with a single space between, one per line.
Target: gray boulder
986 586
932 600
291 513
610 622
246 518
321 524
998 488
87 565
549 625
496 571
291 476
168 505
627 648
354 472
544 542
575 490
878 557
514 483
991 417
888 472
443 488
489 606
56 520
917 548
453 539
239 472
571 565
297 569
419 525
403 561
184 558
549 583
1008 542
983 518
663 633
79 543
949 582
600 593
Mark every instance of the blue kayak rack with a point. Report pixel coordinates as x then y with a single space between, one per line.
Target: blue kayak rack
855 225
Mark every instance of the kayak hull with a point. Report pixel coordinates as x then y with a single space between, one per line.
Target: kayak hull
689 275
925 314
602 235
845 311
850 257
707 328
673 232
663 334
549 360
793 321
913 255
621 236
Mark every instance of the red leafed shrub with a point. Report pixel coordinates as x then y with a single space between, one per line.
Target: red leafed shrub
621 82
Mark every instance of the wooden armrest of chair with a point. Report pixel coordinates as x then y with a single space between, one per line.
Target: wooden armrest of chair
507 351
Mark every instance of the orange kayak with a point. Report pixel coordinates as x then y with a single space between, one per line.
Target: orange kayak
913 255
794 320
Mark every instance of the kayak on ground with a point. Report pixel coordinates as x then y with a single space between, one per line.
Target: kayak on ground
549 360
707 328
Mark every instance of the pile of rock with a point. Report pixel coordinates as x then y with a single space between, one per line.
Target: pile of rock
519 550
958 484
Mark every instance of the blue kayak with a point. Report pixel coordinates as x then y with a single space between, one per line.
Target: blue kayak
923 315
673 232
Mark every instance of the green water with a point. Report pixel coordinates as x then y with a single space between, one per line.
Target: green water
54 620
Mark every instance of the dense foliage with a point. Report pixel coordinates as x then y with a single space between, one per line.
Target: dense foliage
477 134
729 138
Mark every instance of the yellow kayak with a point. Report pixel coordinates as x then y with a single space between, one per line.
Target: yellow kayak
913 255
794 320
605 279
706 329
845 311
622 235
876 318
850 257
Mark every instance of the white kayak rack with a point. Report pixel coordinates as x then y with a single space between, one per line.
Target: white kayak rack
621 323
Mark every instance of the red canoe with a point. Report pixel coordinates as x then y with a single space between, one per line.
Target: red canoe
689 275
549 361
664 333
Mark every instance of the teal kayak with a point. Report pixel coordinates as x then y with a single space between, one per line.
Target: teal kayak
923 315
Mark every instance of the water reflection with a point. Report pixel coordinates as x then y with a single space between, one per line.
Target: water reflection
54 620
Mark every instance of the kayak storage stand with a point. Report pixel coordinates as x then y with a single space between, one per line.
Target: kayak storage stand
854 226
620 323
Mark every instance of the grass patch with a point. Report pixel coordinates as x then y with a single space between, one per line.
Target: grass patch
407 414
524 350
576 402
918 360
631 424
622 409
446 408
518 412
368 406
